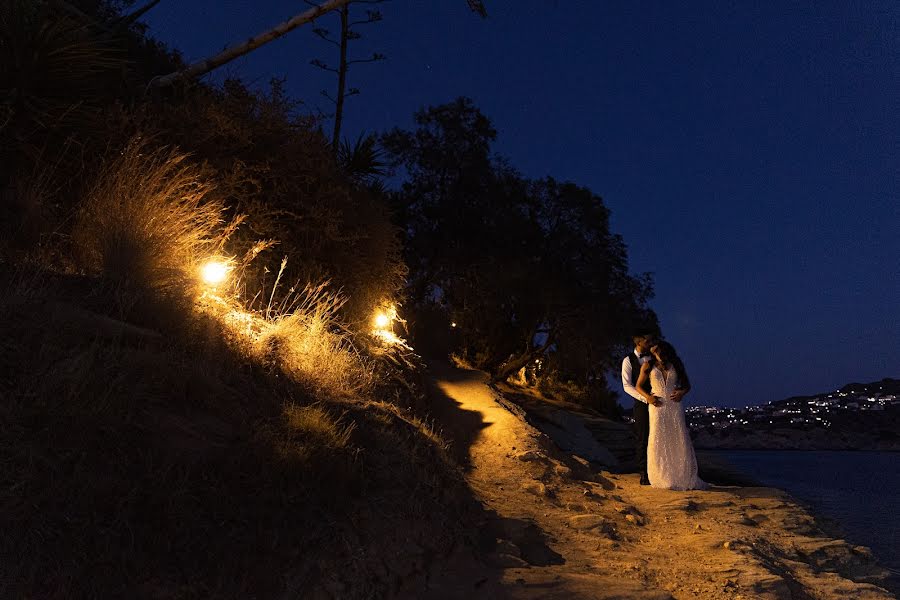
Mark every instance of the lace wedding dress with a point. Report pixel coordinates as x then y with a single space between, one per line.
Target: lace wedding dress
671 463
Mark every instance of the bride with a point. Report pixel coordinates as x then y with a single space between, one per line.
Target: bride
671 463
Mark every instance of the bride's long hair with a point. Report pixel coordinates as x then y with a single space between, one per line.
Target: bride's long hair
669 356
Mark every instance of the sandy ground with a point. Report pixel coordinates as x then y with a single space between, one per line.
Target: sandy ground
555 528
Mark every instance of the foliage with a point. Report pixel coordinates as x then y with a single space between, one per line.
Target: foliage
275 166
148 223
363 160
309 344
268 161
525 268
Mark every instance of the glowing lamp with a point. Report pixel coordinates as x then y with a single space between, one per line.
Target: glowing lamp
382 321
214 272
452 324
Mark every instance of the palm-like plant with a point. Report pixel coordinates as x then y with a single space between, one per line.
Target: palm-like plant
363 160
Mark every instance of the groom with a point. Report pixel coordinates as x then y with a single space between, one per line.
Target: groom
631 369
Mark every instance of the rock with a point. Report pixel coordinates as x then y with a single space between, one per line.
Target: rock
535 487
576 507
568 431
507 547
563 471
634 519
531 456
582 461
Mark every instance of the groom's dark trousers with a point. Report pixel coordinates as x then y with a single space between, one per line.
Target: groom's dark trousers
642 433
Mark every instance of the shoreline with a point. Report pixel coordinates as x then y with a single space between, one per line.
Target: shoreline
839 526
741 539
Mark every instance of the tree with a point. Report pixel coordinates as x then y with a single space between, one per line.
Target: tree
347 33
526 269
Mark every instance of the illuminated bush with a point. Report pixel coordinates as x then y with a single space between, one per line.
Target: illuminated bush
148 221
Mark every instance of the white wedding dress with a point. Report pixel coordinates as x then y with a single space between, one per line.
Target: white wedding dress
671 463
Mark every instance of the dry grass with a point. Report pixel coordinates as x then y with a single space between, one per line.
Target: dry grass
148 222
238 456
310 346
130 467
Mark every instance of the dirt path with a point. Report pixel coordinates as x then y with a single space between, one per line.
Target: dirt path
558 530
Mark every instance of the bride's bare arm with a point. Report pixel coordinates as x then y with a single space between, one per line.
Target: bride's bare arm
641 384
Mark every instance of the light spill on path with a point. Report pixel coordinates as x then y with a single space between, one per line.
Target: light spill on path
563 532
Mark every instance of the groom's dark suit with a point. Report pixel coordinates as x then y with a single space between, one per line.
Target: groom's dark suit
641 418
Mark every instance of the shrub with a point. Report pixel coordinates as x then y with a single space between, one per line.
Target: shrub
149 220
309 345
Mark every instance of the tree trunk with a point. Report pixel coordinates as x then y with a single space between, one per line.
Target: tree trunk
342 79
517 362
206 65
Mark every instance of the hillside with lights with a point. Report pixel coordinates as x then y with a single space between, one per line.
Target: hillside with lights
858 416
205 384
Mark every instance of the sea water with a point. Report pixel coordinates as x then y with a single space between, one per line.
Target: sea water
860 490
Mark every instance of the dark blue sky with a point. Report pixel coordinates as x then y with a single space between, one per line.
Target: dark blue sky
749 152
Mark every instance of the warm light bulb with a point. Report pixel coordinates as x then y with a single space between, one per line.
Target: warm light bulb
214 272
452 324
382 321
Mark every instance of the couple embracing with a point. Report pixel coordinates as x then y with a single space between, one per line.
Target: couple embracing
655 377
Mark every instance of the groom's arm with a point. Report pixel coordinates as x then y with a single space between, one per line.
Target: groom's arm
626 382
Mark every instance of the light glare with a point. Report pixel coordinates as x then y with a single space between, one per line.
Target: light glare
214 272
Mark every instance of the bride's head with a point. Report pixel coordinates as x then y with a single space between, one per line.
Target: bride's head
665 356
664 353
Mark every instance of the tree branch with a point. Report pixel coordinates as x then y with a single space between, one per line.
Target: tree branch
323 33
375 58
206 65
318 63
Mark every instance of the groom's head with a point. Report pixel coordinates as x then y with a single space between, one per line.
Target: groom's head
643 339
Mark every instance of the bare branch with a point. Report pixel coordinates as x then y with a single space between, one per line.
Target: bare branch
318 63
323 33
206 65
372 16
375 58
